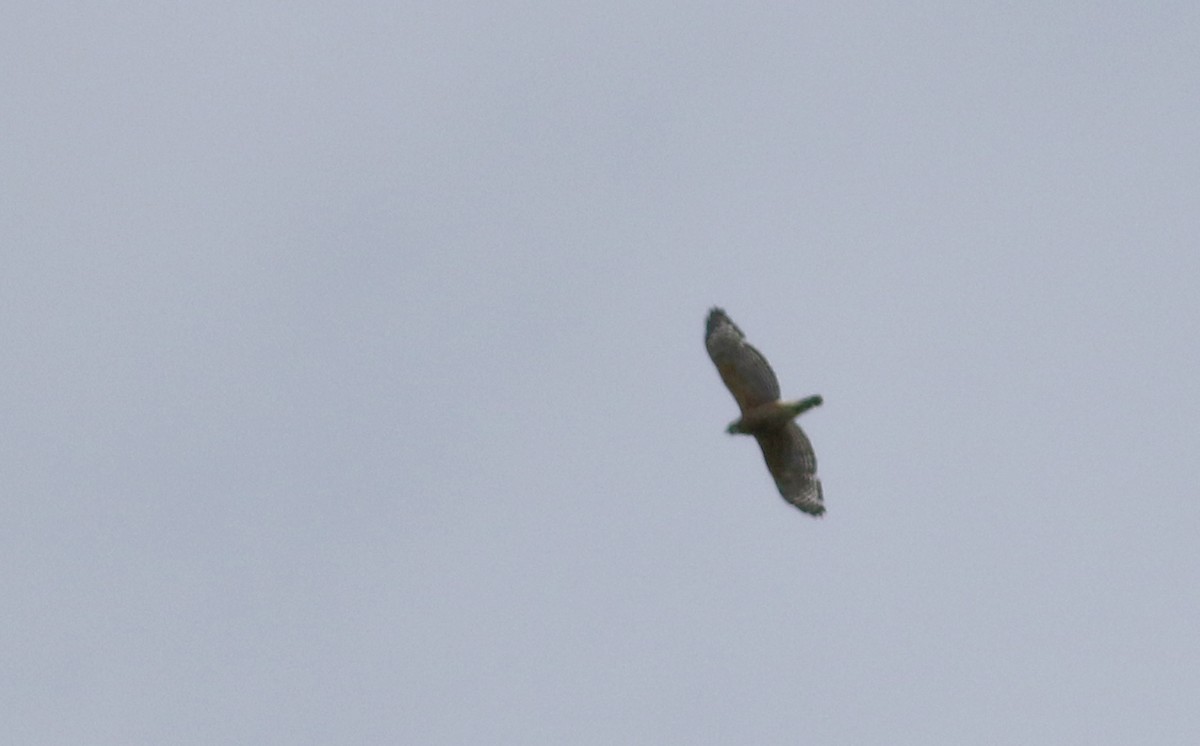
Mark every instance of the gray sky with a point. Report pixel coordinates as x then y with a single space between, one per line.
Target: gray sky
354 386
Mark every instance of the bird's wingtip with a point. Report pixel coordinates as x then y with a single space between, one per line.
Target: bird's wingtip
717 317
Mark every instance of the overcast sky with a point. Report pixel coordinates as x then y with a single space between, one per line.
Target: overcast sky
354 388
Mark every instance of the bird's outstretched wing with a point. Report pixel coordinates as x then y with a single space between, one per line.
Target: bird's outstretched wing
744 370
793 465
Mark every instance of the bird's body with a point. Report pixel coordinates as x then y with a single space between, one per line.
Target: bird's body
785 447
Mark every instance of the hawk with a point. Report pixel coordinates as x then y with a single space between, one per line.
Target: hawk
749 377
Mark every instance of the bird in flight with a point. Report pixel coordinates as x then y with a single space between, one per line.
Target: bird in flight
785 447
